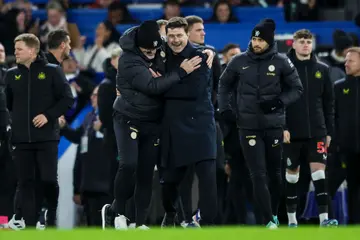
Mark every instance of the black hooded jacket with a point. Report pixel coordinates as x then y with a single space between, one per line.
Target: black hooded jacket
258 78
40 89
313 114
140 91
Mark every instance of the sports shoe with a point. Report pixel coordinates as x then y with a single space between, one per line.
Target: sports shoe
329 223
292 225
143 227
41 224
169 220
276 220
132 226
17 225
120 223
271 225
107 216
193 224
196 218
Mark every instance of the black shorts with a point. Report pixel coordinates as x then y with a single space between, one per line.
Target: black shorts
312 150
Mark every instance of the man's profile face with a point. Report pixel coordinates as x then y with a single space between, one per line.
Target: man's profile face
303 46
197 33
230 54
66 48
352 63
177 39
259 45
2 54
23 53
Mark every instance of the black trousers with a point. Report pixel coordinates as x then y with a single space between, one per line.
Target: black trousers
346 167
206 172
138 154
7 185
30 158
240 189
93 202
263 155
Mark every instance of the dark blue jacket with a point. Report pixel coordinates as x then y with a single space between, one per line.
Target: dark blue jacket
189 132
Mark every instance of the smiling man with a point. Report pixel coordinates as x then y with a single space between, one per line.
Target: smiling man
266 82
141 80
189 132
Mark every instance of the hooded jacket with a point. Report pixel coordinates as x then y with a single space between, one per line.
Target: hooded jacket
140 91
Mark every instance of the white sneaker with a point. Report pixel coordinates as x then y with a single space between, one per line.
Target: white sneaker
17 225
132 225
143 227
120 223
271 225
40 226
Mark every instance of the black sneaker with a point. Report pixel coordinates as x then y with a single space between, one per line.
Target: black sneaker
169 220
107 216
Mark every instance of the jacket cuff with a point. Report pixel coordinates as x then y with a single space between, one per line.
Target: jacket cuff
182 73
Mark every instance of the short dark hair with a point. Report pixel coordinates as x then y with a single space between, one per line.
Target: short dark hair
192 19
56 37
171 2
177 22
230 46
303 33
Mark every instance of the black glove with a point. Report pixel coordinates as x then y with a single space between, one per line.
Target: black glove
228 116
271 105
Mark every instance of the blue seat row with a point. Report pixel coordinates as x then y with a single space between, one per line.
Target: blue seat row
88 19
245 14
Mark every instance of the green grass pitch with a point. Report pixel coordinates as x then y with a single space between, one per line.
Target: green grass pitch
220 233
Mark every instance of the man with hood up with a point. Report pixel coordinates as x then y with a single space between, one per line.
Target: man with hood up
266 83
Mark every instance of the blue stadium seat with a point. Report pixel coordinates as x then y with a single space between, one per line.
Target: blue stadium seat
87 20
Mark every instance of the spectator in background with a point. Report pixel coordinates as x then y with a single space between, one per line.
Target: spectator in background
307 10
223 13
56 19
162 25
106 98
101 4
106 40
118 13
171 9
228 52
243 2
81 86
14 22
336 58
91 169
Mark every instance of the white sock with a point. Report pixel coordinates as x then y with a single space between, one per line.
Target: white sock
292 218
323 216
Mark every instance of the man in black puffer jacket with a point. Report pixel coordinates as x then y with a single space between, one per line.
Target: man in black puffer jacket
266 83
141 80
309 125
37 95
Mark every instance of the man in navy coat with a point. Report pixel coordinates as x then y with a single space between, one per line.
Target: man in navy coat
189 132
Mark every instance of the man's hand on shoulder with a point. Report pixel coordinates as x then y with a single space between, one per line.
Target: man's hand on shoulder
191 65
210 57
